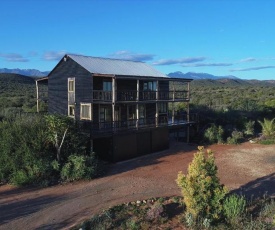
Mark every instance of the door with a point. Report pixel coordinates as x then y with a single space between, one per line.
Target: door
105 116
71 97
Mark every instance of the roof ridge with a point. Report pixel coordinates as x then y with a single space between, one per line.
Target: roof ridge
117 59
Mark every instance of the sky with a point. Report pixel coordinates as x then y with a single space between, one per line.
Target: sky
219 37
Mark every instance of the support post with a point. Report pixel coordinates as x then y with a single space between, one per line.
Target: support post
188 114
173 104
157 99
137 107
113 100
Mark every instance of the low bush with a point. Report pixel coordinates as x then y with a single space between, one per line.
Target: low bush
234 208
236 137
249 128
214 134
79 167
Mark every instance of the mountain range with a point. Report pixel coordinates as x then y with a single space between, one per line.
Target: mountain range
26 72
190 75
199 76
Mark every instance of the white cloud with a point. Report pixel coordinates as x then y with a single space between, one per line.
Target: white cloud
53 55
250 59
206 64
179 60
13 57
127 55
253 68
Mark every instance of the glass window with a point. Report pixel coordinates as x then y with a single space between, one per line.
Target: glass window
107 85
71 85
141 111
131 112
71 111
86 111
163 107
151 85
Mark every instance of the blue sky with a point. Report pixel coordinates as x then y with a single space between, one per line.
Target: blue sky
219 37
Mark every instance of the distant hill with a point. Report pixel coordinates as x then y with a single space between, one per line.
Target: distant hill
25 72
16 78
224 82
15 84
196 76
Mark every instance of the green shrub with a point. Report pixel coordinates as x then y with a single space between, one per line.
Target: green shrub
268 127
24 152
214 134
249 128
79 167
201 189
268 212
27 157
234 208
236 137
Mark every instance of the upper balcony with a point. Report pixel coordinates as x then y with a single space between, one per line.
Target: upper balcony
135 96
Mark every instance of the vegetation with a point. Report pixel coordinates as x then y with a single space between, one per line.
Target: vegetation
268 127
201 189
27 156
234 209
214 134
18 94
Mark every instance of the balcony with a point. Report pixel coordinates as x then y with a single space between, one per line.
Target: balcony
100 129
131 95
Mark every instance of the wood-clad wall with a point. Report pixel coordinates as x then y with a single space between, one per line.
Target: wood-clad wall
58 87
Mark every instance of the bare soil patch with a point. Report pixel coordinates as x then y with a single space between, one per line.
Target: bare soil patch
246 168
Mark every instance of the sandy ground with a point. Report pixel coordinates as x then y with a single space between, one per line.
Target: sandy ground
247 168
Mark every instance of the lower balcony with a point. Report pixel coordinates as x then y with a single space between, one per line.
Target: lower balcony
99 129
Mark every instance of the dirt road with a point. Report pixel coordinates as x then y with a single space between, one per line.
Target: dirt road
247 168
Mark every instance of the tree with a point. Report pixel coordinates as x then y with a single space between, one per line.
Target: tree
268 127
201 189
57 128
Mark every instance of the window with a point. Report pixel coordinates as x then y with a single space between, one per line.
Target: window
163 108
71 85
141 111
107 86
71 111
131 112
86 111
150 86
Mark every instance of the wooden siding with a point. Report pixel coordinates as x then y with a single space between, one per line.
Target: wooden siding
58 87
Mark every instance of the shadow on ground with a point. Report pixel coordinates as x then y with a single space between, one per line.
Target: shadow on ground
150 159
259 187
18 209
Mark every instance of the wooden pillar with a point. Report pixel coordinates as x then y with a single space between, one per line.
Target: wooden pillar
188 115
157 109
137 107
173 104
113 100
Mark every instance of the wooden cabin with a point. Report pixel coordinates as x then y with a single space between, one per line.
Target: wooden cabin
126 106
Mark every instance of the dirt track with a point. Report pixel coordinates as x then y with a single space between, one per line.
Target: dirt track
246 168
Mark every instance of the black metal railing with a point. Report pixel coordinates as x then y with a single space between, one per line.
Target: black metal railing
101 95
131 95
108 127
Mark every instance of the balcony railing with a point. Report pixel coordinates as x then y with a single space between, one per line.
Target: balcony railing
109 128
101 95
131 95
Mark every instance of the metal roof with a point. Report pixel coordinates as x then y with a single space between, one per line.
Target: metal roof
98 65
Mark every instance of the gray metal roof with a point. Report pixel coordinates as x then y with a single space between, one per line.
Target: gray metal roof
98 65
